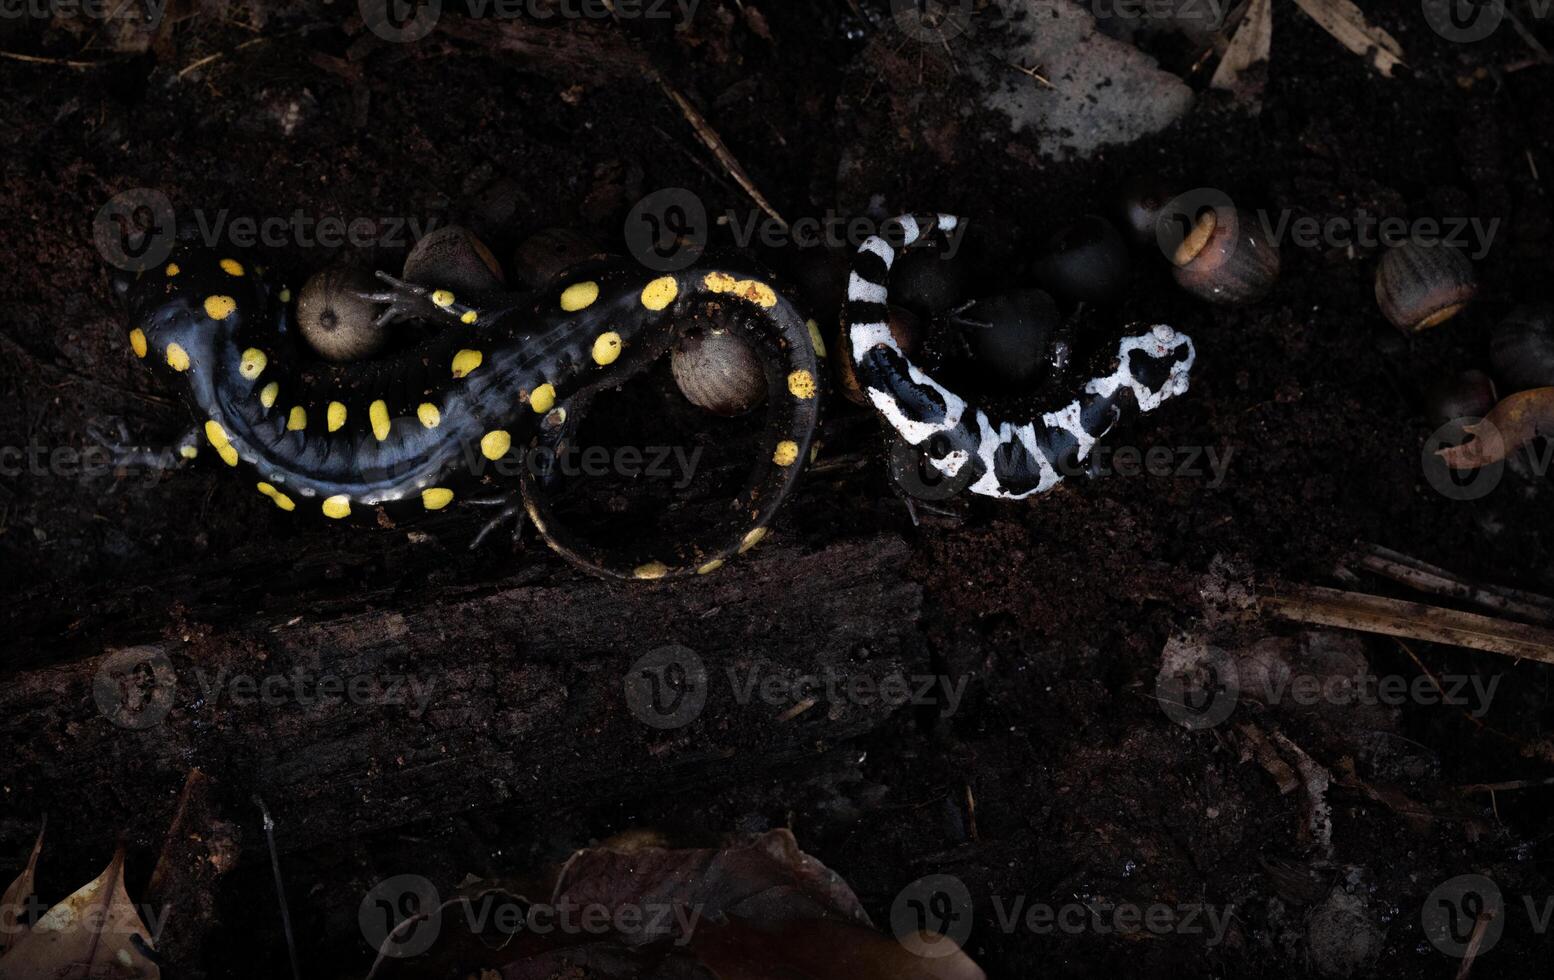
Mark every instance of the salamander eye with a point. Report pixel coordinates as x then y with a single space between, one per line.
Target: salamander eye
335 320
453 258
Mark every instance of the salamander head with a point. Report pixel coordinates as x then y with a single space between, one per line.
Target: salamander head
180 310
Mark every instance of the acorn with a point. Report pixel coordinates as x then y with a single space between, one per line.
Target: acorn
542 257
1087 261
1144 200
1011 333
927 281
1521 349
907 330
1422 286
717 370
451 257
1468 394
1227 258
335 319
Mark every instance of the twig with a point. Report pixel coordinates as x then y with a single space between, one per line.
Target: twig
1476 941
246 44
280 887
1394 617
36 60
714 142
1425 577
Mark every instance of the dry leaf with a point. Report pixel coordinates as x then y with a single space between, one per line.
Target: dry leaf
1349 27
95 932
1514 421
1251 46
13 904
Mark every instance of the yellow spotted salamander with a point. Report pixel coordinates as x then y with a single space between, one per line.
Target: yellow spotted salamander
417 431
959 440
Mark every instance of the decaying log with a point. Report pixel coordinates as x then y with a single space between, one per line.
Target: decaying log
444 695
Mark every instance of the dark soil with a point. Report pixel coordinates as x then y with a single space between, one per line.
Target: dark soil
1055 611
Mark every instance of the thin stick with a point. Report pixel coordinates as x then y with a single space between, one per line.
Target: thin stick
1425 577
1413 620
36 60
714 142
1503 787
280 888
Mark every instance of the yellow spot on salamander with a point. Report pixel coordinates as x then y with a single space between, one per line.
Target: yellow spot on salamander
269 393
659 293
579 296
378 414
466 361
710 567
442 298
218 439
815 338
436 498
281 500
652 570
219 307
337 506
172 269
428 414
752 539
335 416
188 452
138 342
543 398
470 316
495 444
749 290
298 419
607 347
801 384
787 451
253 363
232 267
285 295
177 358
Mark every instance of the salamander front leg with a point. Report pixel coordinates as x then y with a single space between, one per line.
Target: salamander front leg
124 454
512 511
408 301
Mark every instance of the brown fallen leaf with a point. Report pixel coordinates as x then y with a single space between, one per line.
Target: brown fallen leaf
1251 46
13 904
1347 24
1514 421
95 932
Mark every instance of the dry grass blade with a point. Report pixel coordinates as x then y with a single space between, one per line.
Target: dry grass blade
1410 571
1349 27
13 904
714 142
1251 45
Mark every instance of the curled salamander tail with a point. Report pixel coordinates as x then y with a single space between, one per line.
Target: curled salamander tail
782 340
1005 459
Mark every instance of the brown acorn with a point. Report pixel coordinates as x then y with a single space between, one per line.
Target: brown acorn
334 318
1227 258
1521 350
542 257
452 258
905 327
717 370
1421 286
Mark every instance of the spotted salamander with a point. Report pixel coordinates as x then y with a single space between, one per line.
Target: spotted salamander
962 442
414 432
